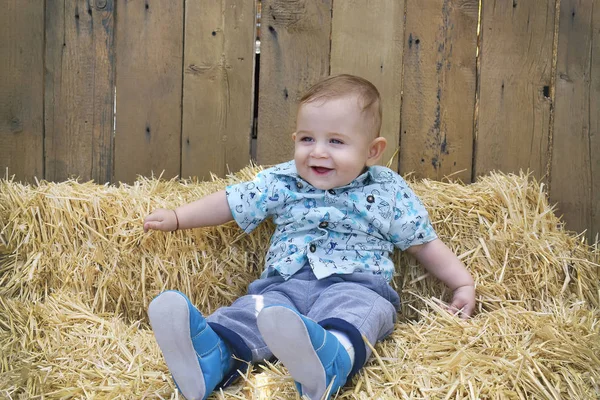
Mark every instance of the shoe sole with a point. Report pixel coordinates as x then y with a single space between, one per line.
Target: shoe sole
170 320
286 336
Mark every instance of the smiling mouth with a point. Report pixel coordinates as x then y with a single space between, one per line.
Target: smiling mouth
321 170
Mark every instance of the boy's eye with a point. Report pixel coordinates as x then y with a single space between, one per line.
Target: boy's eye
306 139
336 141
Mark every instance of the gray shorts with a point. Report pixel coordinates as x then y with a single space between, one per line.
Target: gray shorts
357 304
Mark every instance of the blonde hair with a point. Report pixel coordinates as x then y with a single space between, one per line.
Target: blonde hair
338 86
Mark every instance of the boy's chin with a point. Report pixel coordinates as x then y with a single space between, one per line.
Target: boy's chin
318 183
323 186
326 185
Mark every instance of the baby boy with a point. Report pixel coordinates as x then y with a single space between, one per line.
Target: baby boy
325 284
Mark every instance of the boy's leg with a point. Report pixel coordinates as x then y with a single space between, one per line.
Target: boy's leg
314 357
234 325
196 356
357 309
240 317
198 351
237 323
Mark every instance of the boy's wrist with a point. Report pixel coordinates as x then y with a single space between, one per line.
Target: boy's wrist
176 219
468 285
465 285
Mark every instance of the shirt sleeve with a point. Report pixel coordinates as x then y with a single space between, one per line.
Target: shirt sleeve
411 225
249 201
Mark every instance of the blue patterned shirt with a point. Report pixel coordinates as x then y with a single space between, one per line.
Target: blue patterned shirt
348 229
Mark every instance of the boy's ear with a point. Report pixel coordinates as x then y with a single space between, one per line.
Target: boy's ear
294 136
376 149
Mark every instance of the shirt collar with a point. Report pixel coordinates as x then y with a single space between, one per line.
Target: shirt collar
289 169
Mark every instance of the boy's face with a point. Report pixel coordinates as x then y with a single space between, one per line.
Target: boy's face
333 142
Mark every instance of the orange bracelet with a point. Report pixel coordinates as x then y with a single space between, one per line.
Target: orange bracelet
177 219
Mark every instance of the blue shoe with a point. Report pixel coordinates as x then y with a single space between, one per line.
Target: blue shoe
314 357
196 356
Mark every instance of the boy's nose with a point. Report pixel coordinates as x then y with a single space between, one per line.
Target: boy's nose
319 151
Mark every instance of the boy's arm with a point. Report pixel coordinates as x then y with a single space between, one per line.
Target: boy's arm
210 210
442 263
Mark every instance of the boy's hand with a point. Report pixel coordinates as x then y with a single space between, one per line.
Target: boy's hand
162 220
463 301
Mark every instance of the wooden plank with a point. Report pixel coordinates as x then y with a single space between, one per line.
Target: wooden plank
575 172
516 68
356 26
219 61
79 99
594 230
21 89
439 88
294 56
149 87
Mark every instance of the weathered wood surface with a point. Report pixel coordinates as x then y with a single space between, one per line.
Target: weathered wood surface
22 89
218 87
79 89
575 171
149 86
295 47
379 59
439 88
594 228
183 75
516 73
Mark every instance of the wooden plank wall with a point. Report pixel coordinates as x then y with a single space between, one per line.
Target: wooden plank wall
149 85
111 89
515 78
79 90
575 167
217 82
440 77
22 89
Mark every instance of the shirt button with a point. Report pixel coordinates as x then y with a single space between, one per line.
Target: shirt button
331 191
312 248
323 224
370 198
299 185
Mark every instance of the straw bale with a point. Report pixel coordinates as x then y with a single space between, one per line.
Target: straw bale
89 239
504 230
510 352
67 351
60 349
77 273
